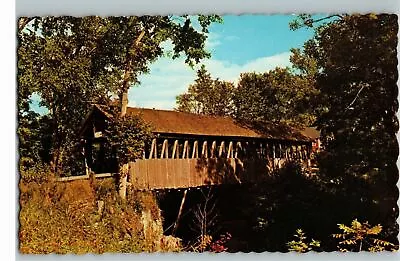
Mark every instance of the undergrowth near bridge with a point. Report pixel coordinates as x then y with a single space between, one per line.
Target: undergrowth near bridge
86 216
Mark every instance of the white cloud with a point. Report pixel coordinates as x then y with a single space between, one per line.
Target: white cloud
231 72
169 78
213 41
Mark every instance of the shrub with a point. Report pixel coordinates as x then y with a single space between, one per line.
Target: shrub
301 245
362 236
38 173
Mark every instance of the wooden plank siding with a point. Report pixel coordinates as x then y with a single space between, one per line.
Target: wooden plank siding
184 163
194 163
178 173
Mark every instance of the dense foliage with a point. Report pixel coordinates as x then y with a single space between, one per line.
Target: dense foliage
357 79
34 139
278 96
283 95
127 136
207 96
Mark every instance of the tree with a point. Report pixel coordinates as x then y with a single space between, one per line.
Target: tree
207 96
357 57
279 96
357 73
71 62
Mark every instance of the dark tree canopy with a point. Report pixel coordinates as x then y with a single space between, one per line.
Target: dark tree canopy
357 80
357 76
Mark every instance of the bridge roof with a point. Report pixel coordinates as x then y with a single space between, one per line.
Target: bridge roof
173 122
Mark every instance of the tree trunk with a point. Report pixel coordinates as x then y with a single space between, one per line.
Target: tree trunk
179 213
123 179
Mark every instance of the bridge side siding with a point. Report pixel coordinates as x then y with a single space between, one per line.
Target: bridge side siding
193 163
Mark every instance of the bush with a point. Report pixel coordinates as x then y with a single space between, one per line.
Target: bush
38 173
362 236
301 245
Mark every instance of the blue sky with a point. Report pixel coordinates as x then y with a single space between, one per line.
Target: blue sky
248 37
246 43
243 43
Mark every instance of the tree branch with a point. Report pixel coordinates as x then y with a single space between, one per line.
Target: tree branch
128 63
327 17
355 98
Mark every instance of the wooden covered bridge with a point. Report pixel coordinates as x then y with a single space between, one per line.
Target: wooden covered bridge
192 150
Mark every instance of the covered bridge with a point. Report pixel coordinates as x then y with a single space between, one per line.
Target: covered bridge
191 150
